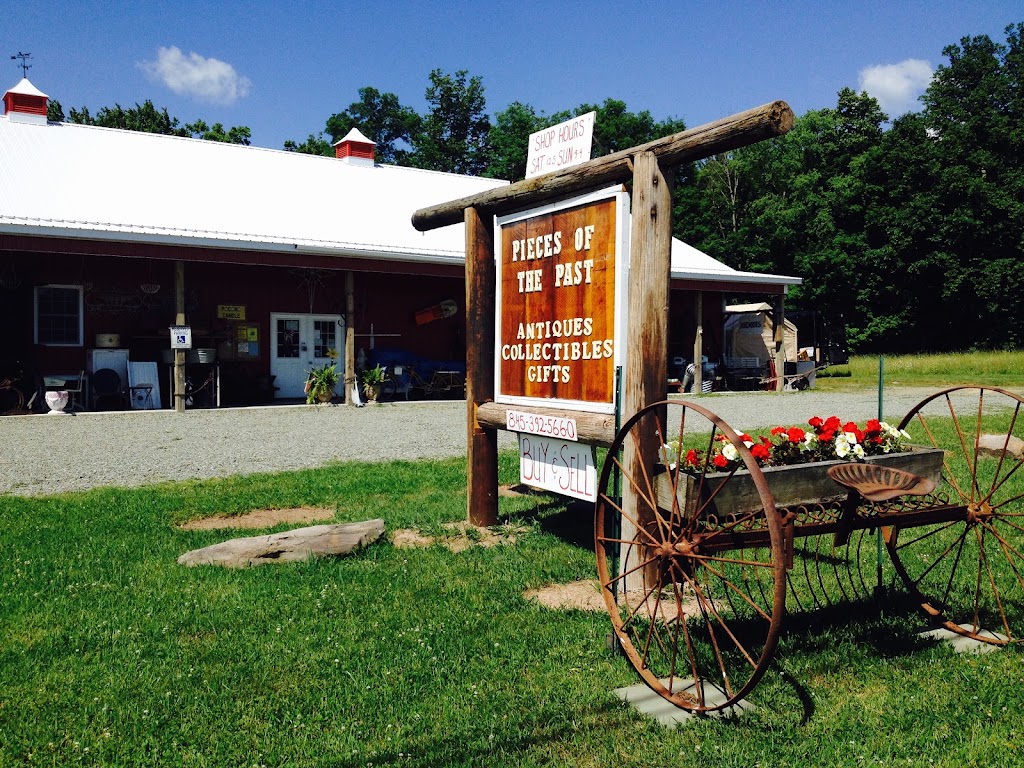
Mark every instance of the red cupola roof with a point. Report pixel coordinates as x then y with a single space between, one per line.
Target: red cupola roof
354 149
25 103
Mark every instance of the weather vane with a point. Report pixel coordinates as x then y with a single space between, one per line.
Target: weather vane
25 66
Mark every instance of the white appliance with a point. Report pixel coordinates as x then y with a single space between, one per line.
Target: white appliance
115 359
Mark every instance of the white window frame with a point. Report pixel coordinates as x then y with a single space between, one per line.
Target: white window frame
81 316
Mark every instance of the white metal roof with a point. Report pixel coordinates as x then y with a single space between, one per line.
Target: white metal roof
68 180
691 264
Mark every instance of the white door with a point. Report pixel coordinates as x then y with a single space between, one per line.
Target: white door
299 343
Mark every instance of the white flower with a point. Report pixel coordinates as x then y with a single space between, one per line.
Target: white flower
851 437
858 451
730 452
842 446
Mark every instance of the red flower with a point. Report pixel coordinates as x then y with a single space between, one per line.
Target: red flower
778 430
826 435
815 421
721 462
761 451
832 423
873 425
796 435
692 458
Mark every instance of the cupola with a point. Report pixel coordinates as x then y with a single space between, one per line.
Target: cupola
24 103
355 149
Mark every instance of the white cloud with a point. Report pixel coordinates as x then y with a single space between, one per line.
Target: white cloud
897 86
206 79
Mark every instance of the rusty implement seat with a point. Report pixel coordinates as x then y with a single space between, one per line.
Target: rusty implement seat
874 483
878 483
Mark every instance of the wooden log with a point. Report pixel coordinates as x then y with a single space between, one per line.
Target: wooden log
482 441
288 547
646 374
729 133
591 428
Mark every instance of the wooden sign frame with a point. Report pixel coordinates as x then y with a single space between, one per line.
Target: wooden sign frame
645 369
560 318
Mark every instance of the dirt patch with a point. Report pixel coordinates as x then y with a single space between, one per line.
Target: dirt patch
586 596
583 595
460 536
260 518
518 490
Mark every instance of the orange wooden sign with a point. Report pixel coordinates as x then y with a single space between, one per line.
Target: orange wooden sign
557 326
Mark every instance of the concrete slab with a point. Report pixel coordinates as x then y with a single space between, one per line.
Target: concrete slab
961 644
649 703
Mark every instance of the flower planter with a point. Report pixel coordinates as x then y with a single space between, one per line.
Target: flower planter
373 392
58 401
789 485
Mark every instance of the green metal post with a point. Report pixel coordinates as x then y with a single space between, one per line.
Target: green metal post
878 531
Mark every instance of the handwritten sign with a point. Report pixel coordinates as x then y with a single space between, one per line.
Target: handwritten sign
569 469
560 285
560 146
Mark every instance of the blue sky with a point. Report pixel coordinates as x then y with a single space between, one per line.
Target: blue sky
283 68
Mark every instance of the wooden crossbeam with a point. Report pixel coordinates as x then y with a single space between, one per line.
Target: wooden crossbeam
729 133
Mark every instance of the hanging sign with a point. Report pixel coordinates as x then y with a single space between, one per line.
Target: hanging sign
560 146
231 312
181 337
569 469
560 314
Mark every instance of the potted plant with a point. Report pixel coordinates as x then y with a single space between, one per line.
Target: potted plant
373 382
321 383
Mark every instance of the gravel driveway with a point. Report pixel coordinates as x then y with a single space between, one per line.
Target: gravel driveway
50 454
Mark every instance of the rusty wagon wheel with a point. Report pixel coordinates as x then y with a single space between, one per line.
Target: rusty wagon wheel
962 558
691 564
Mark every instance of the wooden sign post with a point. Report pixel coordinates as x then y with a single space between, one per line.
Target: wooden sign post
646 371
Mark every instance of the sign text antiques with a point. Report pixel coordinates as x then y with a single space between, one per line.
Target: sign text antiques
560 292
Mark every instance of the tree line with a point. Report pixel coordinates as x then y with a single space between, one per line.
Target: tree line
910 230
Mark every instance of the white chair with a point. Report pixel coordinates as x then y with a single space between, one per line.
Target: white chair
76 400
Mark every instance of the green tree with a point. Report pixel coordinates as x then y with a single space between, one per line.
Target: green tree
236 135
382 119
508 141
54 111
147 118
974 116
452 136
313 145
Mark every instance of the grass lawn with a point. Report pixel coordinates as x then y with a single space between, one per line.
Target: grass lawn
994 369
112 654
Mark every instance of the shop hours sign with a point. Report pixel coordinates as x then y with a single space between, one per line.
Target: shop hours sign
560 319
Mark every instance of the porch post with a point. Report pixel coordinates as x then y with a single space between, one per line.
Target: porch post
350 337
698 346
779 319
179 354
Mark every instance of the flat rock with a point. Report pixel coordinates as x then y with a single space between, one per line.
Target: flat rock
995 445
288 546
